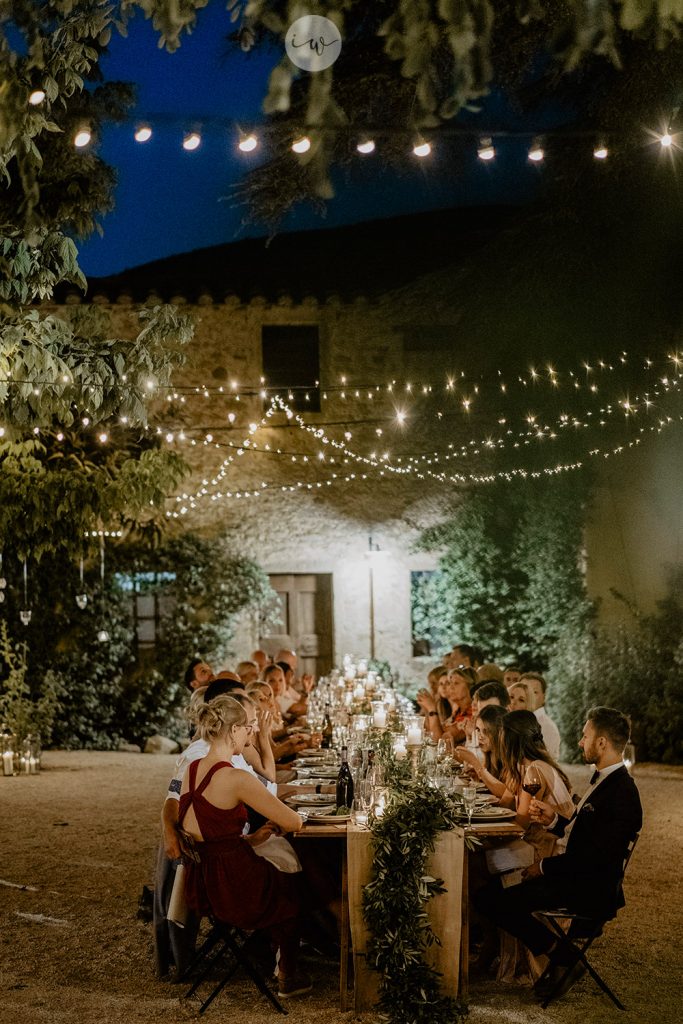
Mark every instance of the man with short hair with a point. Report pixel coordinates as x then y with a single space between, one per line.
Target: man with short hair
586 878
198 673
491 692
511 675
537 687
261 659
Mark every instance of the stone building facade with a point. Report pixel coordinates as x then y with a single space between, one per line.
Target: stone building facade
335 533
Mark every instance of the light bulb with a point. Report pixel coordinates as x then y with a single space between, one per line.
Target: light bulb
536 153
248 143
302 145
601 152
81 600
103 636
36 97
366 147
486 150
422 149
143 133
82 138
666 140
192 141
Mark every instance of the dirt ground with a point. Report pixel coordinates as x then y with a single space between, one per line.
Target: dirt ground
81 838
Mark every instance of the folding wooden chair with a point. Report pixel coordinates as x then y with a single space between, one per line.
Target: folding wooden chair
575 943
228 943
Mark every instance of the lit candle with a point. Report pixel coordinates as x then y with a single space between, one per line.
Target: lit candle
414 735
379 718
359 691
7 763
400 749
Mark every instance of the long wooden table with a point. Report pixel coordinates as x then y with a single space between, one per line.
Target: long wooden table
448 912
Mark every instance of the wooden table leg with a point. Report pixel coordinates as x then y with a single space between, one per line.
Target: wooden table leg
465 930
344 961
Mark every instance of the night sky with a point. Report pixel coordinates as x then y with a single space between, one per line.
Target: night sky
170 201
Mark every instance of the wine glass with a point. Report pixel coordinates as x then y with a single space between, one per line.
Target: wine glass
532 781
444 749
469 796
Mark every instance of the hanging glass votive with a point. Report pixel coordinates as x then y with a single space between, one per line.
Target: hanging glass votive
7 753
3 582
25 613
82 597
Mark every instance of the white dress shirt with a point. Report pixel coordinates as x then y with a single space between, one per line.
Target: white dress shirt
551 734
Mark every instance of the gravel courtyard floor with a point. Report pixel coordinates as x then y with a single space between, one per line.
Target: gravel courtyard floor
80 841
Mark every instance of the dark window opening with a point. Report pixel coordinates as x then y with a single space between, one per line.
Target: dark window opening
291 365
149 602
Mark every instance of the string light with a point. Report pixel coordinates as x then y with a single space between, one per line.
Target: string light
666 140
422 149
486 150
36 97
536 153
247 143
601 151
143 133
366 147
301 145
192 141
82 138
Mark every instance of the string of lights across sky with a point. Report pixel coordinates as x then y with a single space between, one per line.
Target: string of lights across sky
365 139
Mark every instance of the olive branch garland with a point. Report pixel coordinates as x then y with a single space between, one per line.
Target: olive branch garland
394 905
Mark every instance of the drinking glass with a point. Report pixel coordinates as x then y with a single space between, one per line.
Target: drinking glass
444 749
532 781
469 796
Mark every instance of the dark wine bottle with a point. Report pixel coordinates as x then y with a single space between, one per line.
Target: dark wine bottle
344 782
328 732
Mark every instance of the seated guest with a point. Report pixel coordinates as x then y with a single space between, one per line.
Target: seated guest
292 703
458 692
213 810
520 698
489 722
248 671
262 695
492 693
586 878
261 659
522 750
436 704
199 673
511 674
433 678
489 673
537 687
304 684
174 946
463 656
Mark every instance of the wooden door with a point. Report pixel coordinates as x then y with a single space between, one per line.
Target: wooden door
305 624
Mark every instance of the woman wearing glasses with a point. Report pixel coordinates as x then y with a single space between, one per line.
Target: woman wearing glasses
228 880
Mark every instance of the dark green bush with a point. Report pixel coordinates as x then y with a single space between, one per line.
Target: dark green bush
113 691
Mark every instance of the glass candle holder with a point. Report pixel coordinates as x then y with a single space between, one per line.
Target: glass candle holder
379 714
7 753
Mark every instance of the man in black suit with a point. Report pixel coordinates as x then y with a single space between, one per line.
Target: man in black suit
587 877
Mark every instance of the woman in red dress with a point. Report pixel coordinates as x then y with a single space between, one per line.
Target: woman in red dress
231 881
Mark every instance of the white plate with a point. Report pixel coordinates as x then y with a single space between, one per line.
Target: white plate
308 799
491 814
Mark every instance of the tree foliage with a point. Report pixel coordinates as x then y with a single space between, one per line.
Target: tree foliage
510 576
636 666
116 690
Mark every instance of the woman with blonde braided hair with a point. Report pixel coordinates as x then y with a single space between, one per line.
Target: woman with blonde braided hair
229 880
